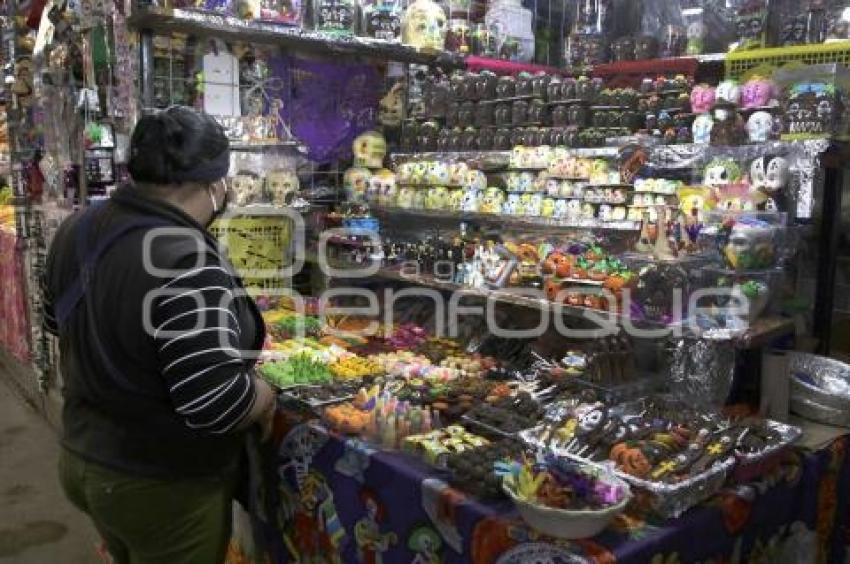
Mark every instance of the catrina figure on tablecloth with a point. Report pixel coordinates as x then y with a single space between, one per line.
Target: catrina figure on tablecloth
316 533
426 543
371 543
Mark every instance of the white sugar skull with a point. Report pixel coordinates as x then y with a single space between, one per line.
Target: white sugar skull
588 211
247 188
552 187
570 190
524 204
534 207
387 185
605 212
574 209
404 173
356 182
769 174
438 173
512 204
476 179
457 173
526 181
471 201
729 91
521 156
369 150
701 128
419 197
282 185
373 193
424 26
760 127
540 156
560 210
455 200
418 171
405 197
512 181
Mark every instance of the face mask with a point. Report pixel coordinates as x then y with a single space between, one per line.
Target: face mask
217 211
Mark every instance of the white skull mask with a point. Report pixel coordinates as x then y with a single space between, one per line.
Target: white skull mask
282 186
424 25
511 205
471 200
769 174
729 91
760 127
369 150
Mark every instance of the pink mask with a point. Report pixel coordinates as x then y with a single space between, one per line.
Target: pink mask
702 99
757 93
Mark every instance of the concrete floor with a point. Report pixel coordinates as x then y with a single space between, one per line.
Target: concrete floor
37 524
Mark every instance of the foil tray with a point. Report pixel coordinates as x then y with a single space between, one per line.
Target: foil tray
821 381
812 410
667 500
789 433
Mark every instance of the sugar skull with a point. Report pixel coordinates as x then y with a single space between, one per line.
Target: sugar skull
437 198
512 205
471 201
404 171
760 127
605 212
729 91
750 246
770 174
721 171
547 208
418 171
385 180
405 197
391 107
424 26
702 98
369 149
534 205
419 198
599 171
525 182
560 211
512 181
520 156
759 93
701 129
247 188
355 182
438 173
282 185
457 173
476 179
540 156
454 200
552 187
494 199
619 213
373 192
588 211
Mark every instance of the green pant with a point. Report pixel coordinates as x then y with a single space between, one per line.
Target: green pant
147 521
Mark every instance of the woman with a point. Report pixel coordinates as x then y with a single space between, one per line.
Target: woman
156 335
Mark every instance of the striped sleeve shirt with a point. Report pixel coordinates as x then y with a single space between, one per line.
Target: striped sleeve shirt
197 336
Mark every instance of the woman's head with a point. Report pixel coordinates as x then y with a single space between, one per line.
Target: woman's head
182 155
178 145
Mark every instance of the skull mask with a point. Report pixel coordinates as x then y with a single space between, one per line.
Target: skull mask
760 127
721 171
282 185
247 188
769 174
424 26
729 91
356 182
702 129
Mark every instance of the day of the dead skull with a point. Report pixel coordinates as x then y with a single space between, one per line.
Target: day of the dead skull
438 173
758 93
560 210
405 197
729 91
282 185
511 205
721 171
547 208
369 150
424 25
702 98
355 182
760 127
476 180
247 188
471 201
493 200
384 179
655 290
702 129
770 174
455 200
391 108
457 173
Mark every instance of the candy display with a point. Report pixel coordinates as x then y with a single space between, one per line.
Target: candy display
295 370
474 470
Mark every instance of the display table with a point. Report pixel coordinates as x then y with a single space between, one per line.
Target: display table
346 502
14 328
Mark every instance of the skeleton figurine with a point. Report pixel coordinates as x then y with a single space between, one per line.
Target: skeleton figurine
282 185
247 188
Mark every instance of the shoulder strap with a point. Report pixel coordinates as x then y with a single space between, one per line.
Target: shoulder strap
80 289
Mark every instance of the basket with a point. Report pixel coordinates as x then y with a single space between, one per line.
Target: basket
568 524
740 63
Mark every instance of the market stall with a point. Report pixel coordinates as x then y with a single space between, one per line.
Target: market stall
523 268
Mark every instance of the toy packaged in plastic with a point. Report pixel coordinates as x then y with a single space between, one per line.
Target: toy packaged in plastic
287 12
747 241
337 17
815 99
751 24
382 20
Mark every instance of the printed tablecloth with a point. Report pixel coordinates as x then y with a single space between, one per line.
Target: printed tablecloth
343 501
14 328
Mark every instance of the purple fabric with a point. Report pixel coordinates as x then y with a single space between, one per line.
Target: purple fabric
328 103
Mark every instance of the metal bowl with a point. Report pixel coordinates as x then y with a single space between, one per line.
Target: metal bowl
823 381
813 411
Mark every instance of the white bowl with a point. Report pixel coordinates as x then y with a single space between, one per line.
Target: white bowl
569 524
